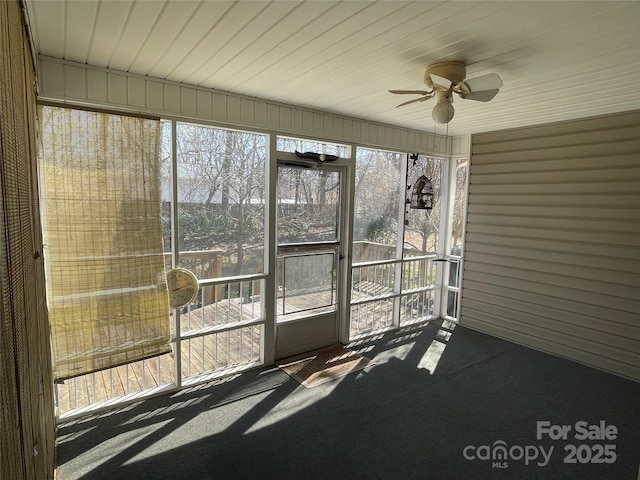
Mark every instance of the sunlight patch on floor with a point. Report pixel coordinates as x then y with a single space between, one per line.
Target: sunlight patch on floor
431 357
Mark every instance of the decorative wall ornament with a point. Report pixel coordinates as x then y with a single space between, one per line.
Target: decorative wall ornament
319 158
422 194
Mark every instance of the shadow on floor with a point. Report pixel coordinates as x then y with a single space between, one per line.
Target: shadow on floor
436 405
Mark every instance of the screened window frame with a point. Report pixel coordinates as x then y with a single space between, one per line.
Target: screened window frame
264 323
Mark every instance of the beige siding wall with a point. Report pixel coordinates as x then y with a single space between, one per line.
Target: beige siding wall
552 246
76 83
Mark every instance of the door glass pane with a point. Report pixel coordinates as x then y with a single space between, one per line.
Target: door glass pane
376 204
308 205
221 200
422 226
306 284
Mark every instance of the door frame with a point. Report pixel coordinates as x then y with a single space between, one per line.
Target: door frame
281 338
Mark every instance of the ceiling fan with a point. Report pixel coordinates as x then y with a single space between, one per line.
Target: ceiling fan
446 78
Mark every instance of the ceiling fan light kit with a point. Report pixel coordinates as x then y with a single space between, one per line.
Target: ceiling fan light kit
446 78
443 111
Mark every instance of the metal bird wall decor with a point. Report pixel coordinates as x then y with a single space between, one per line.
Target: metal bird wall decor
319 158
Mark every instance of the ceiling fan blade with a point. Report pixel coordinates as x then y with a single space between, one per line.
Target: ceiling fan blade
490 81
439 81
481 96
413 92
420 99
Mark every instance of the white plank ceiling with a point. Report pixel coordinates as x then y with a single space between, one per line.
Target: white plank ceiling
559 60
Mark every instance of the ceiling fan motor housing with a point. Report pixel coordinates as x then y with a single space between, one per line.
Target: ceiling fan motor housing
455 72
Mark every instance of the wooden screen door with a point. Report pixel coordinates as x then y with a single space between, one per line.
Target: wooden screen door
309 241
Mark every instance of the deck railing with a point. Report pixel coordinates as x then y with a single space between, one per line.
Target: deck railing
224 329
220 331
387 291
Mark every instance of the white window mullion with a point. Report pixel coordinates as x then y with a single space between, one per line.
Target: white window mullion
269 304
446 216
175 258
402 210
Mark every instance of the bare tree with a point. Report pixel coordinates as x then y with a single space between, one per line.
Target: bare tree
460 198
377 195
221 175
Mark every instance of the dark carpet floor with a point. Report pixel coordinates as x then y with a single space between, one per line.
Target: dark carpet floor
469 408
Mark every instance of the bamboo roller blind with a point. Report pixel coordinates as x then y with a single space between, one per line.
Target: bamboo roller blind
26 389
104 257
